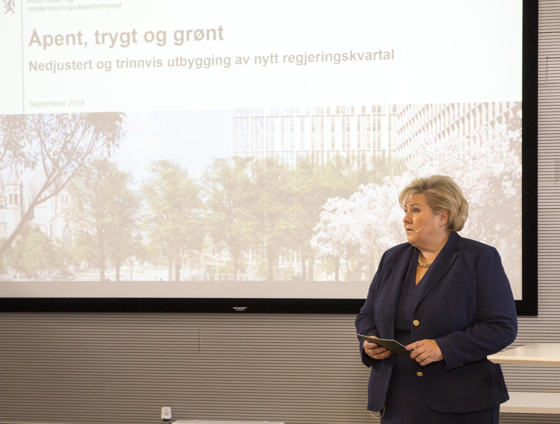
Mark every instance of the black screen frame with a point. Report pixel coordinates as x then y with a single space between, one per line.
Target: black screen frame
528 306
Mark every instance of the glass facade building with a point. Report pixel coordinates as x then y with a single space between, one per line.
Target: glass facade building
318 133
446 119
359 132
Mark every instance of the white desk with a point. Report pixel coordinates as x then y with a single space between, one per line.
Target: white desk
533 354
532 403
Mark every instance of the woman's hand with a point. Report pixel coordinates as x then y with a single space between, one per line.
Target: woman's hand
425 352
375 351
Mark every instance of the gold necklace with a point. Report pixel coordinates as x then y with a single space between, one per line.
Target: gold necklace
424 264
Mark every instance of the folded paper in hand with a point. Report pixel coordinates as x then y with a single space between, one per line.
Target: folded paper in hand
392 345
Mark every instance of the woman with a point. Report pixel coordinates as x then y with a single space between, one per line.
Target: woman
448 300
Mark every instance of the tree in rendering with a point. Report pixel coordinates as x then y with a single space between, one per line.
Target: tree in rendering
174 217
228 198
61 145
104 215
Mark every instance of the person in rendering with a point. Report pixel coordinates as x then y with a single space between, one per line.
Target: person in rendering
449 301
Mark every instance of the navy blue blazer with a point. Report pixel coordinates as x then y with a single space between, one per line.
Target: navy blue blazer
466 305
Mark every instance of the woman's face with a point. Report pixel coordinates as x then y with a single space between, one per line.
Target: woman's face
420 223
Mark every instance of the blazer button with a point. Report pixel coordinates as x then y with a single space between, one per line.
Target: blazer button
419 374
416 323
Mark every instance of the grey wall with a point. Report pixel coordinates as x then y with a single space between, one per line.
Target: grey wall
122 368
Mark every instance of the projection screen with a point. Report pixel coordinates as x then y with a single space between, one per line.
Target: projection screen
236 155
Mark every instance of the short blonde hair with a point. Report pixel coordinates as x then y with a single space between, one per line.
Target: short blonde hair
442 193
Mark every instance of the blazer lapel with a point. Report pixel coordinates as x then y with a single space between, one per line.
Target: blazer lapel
400 266
443 262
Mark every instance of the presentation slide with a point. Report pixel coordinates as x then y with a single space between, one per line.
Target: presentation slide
247 148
